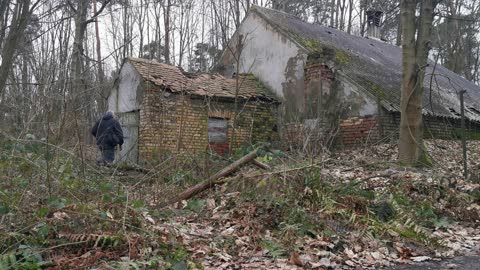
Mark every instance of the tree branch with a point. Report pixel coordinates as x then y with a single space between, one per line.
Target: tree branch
71 6
94 17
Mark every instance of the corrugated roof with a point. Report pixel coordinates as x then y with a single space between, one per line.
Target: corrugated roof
214 85
376 66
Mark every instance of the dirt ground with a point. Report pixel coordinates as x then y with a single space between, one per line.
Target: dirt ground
463 263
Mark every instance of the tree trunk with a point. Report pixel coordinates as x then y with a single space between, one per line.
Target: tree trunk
414 60
341 6
350 11
363 20
238 50
332 13
237 14
166 21
101 75
398 40
21 17
125 30
4 11
76 68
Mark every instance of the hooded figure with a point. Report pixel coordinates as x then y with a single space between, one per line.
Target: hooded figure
108 133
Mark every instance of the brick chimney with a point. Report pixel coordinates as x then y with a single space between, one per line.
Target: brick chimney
318 79
374 18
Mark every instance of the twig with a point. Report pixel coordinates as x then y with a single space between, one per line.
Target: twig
387 175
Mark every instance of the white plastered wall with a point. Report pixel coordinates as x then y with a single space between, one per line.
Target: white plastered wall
267 54
123 97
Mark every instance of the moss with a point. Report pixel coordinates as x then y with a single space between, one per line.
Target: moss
319 51
261 88
342 57
424 160
377 90
472 135
322 53
311 44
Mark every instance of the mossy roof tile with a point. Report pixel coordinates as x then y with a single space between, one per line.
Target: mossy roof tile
214 85
376 66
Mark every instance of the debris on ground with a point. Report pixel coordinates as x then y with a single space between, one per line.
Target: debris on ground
348 209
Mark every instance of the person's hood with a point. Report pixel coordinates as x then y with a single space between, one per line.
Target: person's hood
107 116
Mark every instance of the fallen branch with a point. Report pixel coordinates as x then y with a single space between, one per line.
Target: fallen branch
261 165
217 178
291 169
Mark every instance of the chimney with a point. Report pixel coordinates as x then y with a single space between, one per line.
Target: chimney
374 18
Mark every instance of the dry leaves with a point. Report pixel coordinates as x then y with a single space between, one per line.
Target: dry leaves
235 234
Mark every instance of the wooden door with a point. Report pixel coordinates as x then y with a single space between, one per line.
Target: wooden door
129 122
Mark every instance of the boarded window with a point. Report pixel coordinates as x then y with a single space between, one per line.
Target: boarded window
217 130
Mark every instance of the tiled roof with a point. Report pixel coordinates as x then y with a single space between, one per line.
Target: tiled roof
175 80
376 66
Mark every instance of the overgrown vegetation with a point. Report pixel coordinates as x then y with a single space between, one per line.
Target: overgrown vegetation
315 206
59 212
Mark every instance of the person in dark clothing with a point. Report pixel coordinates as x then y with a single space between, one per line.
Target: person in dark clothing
108 133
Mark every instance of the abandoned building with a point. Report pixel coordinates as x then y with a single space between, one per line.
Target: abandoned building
164 110
325 77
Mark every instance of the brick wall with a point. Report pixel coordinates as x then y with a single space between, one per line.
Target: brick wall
445 128
174 123
316 105
434 127
356 130
322 103
317 65
315 70
318 86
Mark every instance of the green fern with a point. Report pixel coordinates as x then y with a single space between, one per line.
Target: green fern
21 260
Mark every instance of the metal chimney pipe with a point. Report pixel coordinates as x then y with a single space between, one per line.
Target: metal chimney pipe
374 19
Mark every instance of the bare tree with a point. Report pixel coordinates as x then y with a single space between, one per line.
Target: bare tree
416 45
166 15
22 13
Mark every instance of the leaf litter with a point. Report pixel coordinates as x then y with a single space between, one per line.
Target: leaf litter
353 208
237 229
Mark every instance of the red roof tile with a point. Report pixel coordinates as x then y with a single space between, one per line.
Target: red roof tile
214 85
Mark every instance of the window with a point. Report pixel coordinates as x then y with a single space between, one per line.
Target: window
217 130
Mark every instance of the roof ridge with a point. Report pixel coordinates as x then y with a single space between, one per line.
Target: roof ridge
175 79
148 61
254 6
259 9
